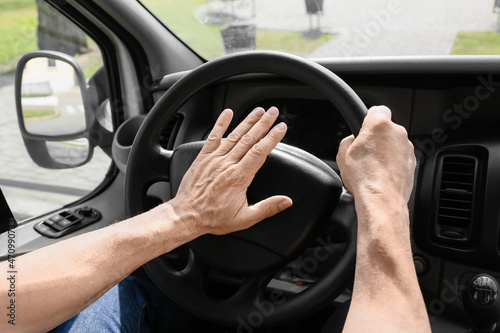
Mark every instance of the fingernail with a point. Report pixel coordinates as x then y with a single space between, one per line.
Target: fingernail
281 126
272 112
226 113
284 204
258 112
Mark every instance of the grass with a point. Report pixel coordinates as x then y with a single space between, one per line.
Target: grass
206 39
477 42
31 95
18 25
18 36
179 16
27 114
16 4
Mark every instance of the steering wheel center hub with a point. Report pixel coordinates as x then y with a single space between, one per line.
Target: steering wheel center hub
268 245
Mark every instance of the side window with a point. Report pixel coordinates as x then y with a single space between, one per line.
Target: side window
30 190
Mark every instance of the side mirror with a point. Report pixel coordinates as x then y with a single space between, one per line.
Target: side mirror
53 109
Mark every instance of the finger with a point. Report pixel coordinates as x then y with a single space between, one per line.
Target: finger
243 128
266 208
257 155
343 147
214 138
379 112
255 134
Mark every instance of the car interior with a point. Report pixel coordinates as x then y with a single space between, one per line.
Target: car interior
153 100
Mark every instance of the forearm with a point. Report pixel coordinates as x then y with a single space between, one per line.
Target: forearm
386 295
57 282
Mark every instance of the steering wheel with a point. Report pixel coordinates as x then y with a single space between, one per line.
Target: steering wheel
252 255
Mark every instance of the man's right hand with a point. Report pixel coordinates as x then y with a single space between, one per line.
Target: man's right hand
377 167
380 160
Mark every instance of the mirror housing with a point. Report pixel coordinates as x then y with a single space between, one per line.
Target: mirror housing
53 109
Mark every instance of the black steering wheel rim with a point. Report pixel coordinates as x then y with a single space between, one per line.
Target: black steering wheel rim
140 175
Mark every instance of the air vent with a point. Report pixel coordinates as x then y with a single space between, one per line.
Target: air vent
167 138
457 195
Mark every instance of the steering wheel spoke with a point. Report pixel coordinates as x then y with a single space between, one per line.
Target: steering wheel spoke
344 215
155 168
252 290
160 164
194 274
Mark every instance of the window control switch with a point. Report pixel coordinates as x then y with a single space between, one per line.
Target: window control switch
50 223
56 218
67 221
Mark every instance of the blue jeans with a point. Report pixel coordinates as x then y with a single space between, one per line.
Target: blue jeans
133 306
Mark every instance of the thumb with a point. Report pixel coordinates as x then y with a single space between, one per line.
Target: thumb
267 208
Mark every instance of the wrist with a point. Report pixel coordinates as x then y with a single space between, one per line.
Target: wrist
183 218
383 205
164 229
383 222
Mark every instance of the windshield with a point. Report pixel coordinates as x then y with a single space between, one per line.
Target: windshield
327 28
